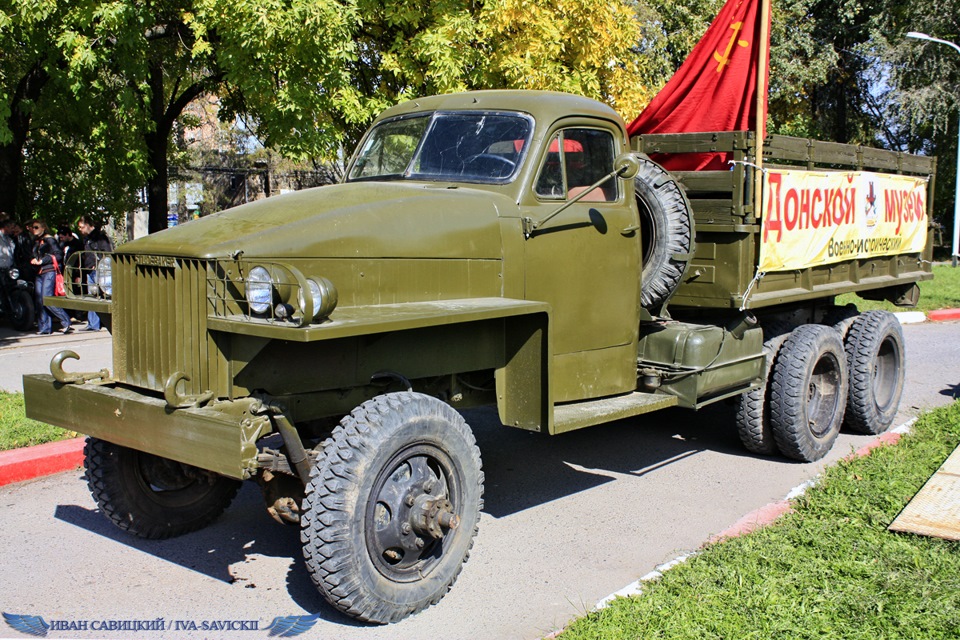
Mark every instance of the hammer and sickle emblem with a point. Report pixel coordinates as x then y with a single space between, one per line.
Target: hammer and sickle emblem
724 59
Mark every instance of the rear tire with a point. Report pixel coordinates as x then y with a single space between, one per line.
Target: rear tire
153 497
808 392
875 358
752 410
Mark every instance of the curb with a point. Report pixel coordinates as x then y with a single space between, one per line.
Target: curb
940 315
40 460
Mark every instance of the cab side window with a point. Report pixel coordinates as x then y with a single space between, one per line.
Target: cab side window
576 159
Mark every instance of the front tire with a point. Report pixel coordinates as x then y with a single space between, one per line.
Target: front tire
153 497
875 358
392 507
808 392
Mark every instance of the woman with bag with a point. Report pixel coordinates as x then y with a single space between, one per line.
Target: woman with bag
47 259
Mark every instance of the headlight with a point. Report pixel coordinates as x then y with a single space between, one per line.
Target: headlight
14 274
105 276
324 296
259 290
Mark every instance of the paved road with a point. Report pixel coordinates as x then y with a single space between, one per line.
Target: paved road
22 353
567 521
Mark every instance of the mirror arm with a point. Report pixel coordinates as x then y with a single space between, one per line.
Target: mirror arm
627 167
530 225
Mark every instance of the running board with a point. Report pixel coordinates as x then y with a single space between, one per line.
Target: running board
577 415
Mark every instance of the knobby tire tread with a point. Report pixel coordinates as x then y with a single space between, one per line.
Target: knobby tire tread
102 460
328 548
789 387
865 337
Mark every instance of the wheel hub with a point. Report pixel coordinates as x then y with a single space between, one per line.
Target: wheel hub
413 510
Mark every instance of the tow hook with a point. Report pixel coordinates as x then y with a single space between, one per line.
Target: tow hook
61 376
177 401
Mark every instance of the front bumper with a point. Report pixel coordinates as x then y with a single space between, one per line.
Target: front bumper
220 437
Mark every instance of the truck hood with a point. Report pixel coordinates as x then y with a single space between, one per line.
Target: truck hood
356 220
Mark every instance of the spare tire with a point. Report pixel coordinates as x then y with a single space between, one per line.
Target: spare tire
666 232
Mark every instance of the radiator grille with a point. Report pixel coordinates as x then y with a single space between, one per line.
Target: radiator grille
160 323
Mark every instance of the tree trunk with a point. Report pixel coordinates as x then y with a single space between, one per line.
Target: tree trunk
163 116
11 170
157 144
11 154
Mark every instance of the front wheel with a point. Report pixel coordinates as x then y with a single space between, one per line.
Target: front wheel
392 507
153 497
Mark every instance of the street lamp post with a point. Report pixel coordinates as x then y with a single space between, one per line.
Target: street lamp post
954 251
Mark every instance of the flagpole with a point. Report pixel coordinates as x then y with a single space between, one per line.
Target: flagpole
761 102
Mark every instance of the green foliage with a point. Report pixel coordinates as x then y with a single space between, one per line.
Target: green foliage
829 570
91 90
16 430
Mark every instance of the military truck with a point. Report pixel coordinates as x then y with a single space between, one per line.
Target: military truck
514 249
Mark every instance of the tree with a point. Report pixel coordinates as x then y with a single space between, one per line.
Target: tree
922 82
307 74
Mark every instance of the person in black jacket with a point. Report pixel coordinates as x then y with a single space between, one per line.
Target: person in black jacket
95 244
45 251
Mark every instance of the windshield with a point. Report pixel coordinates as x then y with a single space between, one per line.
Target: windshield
457 146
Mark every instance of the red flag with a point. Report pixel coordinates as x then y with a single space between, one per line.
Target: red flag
714 89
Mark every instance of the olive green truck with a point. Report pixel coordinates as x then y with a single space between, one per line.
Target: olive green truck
503 248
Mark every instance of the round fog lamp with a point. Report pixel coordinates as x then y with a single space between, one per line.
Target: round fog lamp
324 296
259 290
105 276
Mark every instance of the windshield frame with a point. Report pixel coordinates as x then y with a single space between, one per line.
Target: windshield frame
434 117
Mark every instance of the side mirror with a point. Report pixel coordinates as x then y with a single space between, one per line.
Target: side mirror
626 165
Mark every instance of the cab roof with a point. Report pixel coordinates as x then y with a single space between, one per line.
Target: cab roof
542 105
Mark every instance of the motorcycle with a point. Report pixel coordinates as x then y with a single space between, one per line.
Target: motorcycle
16 299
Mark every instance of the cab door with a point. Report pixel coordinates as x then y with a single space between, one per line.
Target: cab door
585 263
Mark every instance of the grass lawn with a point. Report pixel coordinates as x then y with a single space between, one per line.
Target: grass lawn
828 570
943 292
16 430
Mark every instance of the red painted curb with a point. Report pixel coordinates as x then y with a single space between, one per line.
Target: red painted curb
42 460
753 521
941 315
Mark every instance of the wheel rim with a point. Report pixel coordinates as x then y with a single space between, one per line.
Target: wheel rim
413 512
823 395
168 483
886 373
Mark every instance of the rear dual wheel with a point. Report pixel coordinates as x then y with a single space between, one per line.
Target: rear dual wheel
875 357
808 392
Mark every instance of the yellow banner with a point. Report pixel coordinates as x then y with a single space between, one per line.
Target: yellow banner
820 217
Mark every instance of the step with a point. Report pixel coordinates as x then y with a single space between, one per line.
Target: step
577 415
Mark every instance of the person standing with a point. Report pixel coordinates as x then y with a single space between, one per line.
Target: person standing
7 245
69 244
45 252
95 244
